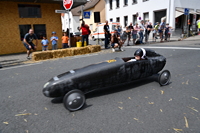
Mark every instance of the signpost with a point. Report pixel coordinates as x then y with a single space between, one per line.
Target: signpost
67 4
186 12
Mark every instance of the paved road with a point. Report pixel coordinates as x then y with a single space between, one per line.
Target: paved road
139 107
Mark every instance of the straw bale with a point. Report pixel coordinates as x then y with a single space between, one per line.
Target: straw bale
94 48
36 56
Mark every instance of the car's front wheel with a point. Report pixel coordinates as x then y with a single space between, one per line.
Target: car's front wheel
74 100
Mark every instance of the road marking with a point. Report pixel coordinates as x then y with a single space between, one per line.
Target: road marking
81 56
185 48
20 66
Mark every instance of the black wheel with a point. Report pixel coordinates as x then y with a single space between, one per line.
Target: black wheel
74 100
164 78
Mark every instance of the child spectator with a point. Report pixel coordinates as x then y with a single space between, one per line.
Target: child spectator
54 40
65 39
44 43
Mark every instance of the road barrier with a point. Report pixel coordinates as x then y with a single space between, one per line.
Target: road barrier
44 55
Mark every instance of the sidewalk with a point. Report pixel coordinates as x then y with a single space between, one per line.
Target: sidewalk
19 59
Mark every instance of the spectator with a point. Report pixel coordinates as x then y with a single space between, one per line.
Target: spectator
119 30
148 31
107 34
136 28
130 29
161 28
124 36
141 31
115 41
85 33
198 24
65 40
28 38
155 31
45 43
167 32
54 40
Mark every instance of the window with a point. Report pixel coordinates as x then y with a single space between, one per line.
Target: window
23 30
39 30
125 2
146 16
29 11
111 20
118 19
134 1
134 19
110 4
145 0
125 21
117 3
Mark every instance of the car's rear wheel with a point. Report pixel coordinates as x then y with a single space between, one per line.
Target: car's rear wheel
164 78
74 100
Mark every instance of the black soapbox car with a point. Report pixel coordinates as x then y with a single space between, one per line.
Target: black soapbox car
74 84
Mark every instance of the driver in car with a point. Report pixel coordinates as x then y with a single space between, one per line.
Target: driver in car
139 55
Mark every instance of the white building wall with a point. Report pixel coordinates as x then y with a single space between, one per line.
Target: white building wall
148 6
131 9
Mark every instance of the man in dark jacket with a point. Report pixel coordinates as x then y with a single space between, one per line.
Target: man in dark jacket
107 34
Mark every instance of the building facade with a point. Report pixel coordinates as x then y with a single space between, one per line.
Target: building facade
18 17
127 11
95 6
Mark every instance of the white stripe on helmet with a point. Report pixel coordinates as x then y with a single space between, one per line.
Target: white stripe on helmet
144 53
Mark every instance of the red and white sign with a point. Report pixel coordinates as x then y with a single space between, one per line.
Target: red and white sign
67 4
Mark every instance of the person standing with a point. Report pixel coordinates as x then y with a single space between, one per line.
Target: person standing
130 29
148 31
44 43
141 32
54 40
85 33
198 25
155 31
65 40
106 29
161 29
28 42
123 37
119 30
136 28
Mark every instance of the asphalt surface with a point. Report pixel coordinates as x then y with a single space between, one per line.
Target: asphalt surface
138 107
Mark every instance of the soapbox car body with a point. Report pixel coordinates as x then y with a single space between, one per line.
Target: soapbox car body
74 84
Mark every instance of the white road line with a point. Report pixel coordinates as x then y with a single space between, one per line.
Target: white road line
186 48
81 56
20 66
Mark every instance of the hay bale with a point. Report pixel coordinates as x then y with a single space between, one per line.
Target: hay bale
67 52
36 56
94 48
57 53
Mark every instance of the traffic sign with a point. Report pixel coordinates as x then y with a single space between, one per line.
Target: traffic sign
67 4
86 15
186 11
61 11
